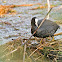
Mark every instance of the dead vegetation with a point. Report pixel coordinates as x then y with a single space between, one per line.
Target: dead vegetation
50 50
8 9
59 22
41 7
7 23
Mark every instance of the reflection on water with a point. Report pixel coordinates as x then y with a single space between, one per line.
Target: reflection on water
20 23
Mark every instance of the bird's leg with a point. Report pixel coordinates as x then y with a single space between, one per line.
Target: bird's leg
41 41
52 38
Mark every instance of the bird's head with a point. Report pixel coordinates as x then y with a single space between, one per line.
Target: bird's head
34 21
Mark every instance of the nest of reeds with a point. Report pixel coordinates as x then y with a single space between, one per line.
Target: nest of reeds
51 50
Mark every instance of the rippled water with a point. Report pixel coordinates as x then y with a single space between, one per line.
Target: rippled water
21 22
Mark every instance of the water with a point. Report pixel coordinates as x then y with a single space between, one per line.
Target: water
21 22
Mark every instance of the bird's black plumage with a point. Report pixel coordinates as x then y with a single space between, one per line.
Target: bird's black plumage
48 28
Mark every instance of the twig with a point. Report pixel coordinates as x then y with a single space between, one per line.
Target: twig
6 48
55 60
58 34
53 43
9 53
34 51
60 7
38 27
24 53
48 8
37 58
30 39
28 53
51 55
56 50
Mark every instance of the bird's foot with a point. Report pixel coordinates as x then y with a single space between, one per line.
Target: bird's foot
41 41
52 38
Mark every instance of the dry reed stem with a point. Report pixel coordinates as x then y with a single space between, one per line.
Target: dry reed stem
24 53
48 8
12 6
34 51
9 53
28 53
58 34
37 58
6 48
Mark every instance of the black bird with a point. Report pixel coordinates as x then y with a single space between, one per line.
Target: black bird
48 28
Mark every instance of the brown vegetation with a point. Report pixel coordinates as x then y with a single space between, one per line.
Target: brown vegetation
48 49
41 7
6 9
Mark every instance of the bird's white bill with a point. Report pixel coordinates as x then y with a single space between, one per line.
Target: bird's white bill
36 22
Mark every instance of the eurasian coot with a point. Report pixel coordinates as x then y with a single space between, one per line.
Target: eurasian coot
48 28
